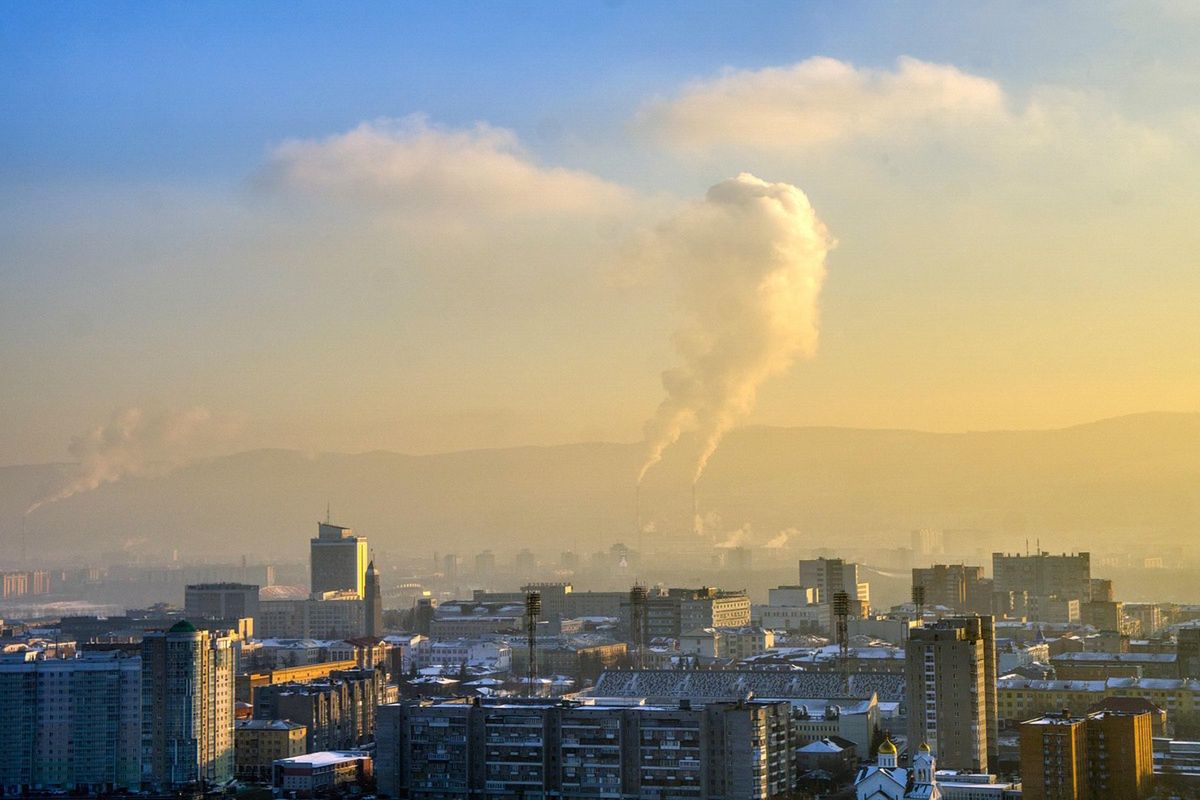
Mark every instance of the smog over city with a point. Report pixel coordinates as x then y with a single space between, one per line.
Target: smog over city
798 314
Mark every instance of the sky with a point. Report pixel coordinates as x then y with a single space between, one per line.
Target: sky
432 227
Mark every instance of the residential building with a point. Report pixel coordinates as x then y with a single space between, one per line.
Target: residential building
1187 651
832 575
958 587
669 614
248 682
259 743
500 749
221 601
70 724
330 615
1067 576
1102 756
187 707
338 712
950 675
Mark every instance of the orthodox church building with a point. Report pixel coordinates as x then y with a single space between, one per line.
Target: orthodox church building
887 780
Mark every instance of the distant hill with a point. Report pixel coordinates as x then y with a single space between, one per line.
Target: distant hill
1104 479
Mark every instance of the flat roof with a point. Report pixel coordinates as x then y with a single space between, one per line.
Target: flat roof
324 758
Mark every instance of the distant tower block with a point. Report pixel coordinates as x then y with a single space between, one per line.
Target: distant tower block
533 610
918 598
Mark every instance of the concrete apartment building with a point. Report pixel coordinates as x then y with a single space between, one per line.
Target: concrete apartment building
329 615
338 712
832 575
671 614
956 586
1067 576
70 723
538 749
187 707
950 679
223 601
259 743
338 560
1106 755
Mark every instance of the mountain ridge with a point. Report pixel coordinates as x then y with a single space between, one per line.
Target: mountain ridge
1096 480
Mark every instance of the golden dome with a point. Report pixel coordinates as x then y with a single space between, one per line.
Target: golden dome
887 748
924 748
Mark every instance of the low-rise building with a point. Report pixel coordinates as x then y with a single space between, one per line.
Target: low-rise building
321 773
259 743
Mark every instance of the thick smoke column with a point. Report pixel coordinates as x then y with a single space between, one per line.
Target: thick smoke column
133 442
750 260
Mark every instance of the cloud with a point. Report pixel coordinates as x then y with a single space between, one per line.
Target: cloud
410 163
822 101
136 442
822 105
750 262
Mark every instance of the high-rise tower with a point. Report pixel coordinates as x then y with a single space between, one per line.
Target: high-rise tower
338 560
187 707
950 675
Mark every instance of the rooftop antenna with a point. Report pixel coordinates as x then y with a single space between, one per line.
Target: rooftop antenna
328 515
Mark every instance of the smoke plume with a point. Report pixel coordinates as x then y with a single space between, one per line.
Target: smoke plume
750 260
133 442
779 540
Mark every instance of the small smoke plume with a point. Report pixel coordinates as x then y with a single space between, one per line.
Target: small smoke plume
750 260
736 538
133 442
779 540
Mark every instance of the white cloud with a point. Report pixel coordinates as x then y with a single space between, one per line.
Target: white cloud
411 164
822 105
822 101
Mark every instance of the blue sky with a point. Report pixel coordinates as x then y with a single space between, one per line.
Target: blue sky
137 90
203 204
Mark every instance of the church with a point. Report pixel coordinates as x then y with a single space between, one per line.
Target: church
886 780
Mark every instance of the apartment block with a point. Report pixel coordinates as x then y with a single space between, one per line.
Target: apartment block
187 707
70 723
950 677
1044 575
1102 756
509 749
259 743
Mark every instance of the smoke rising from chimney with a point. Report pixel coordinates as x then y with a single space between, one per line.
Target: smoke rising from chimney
133 442
750 260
